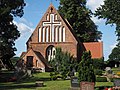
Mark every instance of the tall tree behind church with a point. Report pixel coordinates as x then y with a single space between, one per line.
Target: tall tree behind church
110 11
8 30
79 17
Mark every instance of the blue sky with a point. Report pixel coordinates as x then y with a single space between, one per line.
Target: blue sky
35 9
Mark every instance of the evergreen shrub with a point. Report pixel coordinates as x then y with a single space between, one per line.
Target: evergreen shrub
98 72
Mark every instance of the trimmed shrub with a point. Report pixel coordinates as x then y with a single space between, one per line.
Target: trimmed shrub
86 69
101 79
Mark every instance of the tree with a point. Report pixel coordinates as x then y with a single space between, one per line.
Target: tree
111 12
114 57
8 30
86 69
79 17
63 63
98 63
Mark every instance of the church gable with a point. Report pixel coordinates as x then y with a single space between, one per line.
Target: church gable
52 28
32 60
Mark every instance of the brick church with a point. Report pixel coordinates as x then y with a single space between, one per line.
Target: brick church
54 31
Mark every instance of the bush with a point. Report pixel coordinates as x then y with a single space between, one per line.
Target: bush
101 79
98 72
53 76
98 63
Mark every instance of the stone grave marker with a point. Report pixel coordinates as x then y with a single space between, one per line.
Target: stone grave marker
86 86
117 82
74 82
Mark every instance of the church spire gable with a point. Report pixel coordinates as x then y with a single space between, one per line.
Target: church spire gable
51 28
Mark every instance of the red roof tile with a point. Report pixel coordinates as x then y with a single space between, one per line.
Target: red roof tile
96 49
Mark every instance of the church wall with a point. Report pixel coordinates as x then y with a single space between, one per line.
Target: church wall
68 46
35 59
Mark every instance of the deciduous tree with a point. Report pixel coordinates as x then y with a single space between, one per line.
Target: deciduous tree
8 30
79 17
111 12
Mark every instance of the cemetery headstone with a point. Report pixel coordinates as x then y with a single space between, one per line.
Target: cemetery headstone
86 86
29 72
74 82
117 82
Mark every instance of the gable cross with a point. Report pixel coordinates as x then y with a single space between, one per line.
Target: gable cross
52 23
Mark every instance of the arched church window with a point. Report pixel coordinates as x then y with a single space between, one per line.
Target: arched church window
54 52
36 63
50 53
56 17
63 34
47 17
39 34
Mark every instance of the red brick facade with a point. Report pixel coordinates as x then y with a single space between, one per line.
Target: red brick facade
53 31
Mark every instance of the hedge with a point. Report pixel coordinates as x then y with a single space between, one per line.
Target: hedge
101 79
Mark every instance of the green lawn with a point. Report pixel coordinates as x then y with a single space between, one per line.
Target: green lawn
29 83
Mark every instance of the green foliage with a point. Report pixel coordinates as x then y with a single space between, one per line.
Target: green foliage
53 76
111 12
98 72
85 68
115 55
79 17
63 63
14 60
8 30
101 79
98 63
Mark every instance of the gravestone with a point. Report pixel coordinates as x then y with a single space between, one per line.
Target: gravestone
117 82
74 82
86 86
29 73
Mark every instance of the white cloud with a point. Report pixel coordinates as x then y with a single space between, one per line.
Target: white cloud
113 46
23 27
93 4
23 20
96 20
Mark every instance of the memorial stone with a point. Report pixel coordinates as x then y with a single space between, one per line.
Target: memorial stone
74 82
117 82
86 86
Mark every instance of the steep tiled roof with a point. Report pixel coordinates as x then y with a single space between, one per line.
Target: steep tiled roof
23 53
39 55
96 49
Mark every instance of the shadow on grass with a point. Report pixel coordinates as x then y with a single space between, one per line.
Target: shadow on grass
34 79
5 75
11 87
18 86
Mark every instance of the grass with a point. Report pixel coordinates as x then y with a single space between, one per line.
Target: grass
29 83
99 84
